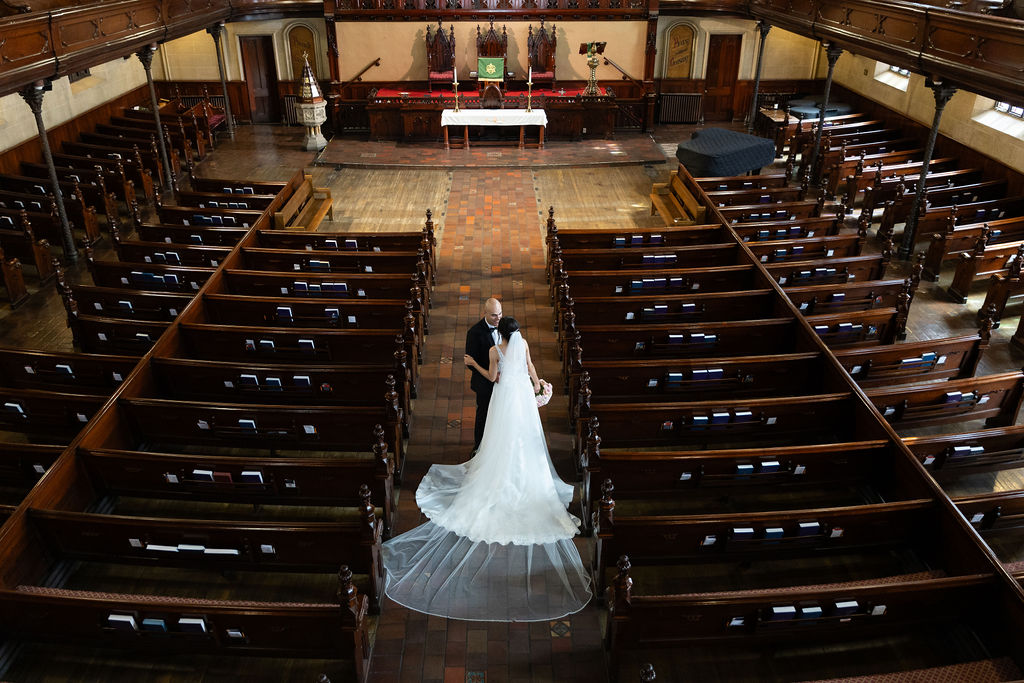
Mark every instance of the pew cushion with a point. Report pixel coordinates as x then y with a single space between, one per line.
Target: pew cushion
719 152
984 671
167 599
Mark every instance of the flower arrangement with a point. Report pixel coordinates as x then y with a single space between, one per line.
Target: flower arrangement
544 395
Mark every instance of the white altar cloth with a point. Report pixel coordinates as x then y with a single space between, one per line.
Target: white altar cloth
494 117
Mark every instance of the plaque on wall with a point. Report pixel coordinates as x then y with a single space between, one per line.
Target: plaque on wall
680 52
300 41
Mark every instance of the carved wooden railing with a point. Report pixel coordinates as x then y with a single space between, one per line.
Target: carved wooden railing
353 9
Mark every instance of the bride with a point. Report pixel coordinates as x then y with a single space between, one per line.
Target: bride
498 546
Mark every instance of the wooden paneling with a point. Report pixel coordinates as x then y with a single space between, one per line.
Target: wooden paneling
10 160
236 93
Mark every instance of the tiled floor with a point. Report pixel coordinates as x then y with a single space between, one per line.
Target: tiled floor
491 245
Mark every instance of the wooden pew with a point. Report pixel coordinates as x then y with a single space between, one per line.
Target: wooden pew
13 280
19 241
894 187
160 252
763 181
655 281
149 276
290 481
197 127
141 158
99 334
318 345
804 248
215 236
994 398
30 369
954 240
668 237
829 270
376 314
79 215
994 513
799 131
128 304
303 261
769 195
354 383
178 128
233 186
751 213
982 263
948 457
306 208
823 613
835 156
220 200
21 464
932 359
792 229
146 145
119 171
174 140
190 215
877 326
47 414
676 203
287 629
651 257
850 296
847 166
78 196
267 426
333 286
97 176
251 545
897 209
936 219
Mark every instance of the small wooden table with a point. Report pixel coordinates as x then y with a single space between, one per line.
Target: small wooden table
493 117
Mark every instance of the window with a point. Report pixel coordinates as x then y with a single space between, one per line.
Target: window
1009 109
78 76
892 76
897 70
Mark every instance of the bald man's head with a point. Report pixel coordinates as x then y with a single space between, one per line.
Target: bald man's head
492 311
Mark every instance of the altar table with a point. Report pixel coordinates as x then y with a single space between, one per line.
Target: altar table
493 117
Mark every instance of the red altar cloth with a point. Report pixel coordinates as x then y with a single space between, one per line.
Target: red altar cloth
472 93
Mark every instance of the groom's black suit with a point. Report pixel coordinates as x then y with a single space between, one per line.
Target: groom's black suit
479 341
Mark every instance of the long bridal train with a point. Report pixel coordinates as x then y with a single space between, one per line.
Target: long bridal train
498 546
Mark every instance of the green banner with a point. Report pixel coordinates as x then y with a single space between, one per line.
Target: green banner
492 68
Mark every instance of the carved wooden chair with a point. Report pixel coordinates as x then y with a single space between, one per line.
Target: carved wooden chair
440 56
541 48
490 44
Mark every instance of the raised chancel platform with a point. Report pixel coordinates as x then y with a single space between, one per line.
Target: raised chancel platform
415 115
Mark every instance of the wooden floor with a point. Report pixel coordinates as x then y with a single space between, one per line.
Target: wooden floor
490 231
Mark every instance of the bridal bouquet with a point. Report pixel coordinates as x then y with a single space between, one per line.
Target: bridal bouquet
544 395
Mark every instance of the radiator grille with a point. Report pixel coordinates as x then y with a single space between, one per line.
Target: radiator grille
192 100
288 110
680 107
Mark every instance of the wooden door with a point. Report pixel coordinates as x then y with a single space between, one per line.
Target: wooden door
260 75
720 83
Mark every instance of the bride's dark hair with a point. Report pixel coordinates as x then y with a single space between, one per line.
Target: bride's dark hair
507 326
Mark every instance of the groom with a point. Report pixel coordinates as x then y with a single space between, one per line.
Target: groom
479 340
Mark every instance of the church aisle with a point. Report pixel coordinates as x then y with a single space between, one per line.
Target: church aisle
491 244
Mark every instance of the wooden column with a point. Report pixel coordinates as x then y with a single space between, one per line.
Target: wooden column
650 51
145 56
332 49
216 31
942 93
832 52
33 96
763 28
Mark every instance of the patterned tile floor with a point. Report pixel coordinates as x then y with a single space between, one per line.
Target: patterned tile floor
491 245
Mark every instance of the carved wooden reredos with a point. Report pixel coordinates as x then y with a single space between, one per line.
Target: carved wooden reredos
541 47
490 44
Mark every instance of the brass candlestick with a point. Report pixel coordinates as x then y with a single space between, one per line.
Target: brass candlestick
455 84
529 95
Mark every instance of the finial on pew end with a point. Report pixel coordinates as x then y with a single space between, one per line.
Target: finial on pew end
133 209
593 444
863 223
158 197
322 678
805 181
59 279
867 206
90 260
380 454
348 596
981 242
394 410
428 227
1017 263
71 309
821 204
887 251
115 239
369 512
622 587
858 170
575 354
410 329
842 210
583 395
902 313
916 272
987 318
789 171
647 674
551 216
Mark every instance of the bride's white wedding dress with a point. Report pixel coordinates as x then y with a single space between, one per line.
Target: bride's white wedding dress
498 546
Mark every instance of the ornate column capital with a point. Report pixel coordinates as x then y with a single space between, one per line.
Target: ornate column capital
942 92
832 52
33 95
763 27
216 30
145 56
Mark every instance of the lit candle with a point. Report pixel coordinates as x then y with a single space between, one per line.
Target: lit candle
530 77
455 74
